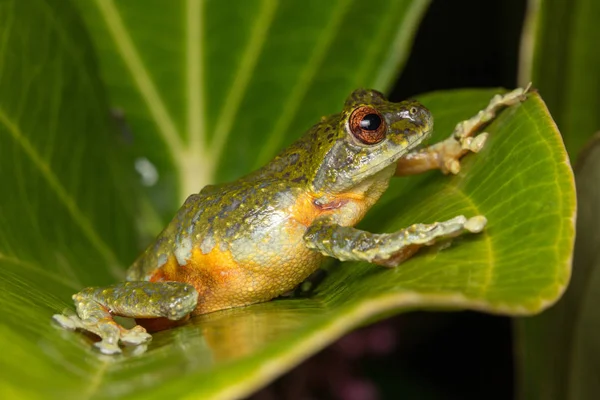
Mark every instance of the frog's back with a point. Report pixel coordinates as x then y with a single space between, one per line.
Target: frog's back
235 211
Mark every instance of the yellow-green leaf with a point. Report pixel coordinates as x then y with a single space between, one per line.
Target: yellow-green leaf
68 207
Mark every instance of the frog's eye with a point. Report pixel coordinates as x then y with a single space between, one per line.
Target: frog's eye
413 110
367 125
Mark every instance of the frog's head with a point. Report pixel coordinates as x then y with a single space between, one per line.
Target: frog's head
369 135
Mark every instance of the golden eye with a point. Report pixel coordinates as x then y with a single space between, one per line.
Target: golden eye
367 125
413 110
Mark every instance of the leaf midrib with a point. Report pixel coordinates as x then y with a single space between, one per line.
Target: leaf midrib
194 72
188 160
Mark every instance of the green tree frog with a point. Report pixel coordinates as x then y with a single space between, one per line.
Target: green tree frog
258 237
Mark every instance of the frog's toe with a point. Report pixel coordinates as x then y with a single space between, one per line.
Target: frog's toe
460 224
113 334
476 224
108 347
135 336
70 322
450 226
474 144
457 148
452 166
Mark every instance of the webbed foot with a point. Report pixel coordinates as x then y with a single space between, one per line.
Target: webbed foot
110 333
446 155
97 306
463 139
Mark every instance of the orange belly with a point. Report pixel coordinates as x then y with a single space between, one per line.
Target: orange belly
222 282
271 265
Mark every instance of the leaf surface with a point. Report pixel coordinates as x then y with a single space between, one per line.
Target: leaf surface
67 220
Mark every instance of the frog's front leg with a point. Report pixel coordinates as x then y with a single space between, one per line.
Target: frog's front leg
387 249
97 305
446 154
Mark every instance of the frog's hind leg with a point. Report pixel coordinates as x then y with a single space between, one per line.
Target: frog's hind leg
96 307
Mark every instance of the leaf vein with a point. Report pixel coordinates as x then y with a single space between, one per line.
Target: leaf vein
78 217
196 123
240 83
140 75
40 271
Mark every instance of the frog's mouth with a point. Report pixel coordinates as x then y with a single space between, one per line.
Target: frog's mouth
348 165
416 141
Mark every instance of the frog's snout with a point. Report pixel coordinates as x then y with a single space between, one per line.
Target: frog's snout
414 125
423 125
423 120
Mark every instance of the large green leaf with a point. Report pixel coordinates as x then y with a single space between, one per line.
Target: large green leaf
560 56
66 220
67 204
212 89
57 181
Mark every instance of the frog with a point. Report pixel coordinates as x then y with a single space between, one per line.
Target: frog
256 238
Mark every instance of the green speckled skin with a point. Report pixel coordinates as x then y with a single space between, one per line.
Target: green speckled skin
259 237
242 242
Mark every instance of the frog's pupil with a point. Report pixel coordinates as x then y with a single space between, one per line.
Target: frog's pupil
370 122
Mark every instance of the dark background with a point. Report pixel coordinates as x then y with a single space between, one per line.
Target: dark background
464 355
464 43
